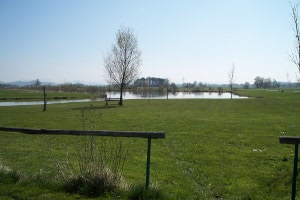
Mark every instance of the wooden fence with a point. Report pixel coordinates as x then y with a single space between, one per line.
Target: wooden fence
148 135
296 142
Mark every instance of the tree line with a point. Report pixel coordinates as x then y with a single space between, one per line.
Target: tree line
150 82
159 84
260 82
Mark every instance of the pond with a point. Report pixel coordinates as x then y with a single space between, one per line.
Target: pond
177 95
129 95
30 103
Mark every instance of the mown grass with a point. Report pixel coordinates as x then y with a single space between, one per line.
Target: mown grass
215 149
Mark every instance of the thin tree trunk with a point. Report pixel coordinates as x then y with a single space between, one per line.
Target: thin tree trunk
121 95
231 91
167 90
45 101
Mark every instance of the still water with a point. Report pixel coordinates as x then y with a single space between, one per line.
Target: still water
30 103
129 95
177 95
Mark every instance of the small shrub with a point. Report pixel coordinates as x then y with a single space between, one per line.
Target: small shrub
100 164
8 176
139 192
284 159
92 184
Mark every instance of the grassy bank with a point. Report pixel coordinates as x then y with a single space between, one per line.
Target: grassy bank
214 149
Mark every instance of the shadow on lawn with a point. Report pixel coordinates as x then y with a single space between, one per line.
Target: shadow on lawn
91 107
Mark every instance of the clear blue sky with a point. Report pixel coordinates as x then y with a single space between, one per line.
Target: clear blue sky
65 40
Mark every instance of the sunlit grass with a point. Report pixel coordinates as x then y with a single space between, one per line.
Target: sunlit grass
214 148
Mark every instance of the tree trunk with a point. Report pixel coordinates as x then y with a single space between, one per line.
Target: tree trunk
167 90
231 91
121 94
45 101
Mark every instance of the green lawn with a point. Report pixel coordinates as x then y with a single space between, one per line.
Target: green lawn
214 149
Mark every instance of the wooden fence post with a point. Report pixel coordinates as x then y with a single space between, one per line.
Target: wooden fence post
148 163
295 172
296 142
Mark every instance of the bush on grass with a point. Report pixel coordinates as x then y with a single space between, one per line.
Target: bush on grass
100 163
92 184
139 192
8 176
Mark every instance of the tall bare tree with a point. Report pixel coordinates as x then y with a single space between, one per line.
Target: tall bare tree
295 55
231 77
122 63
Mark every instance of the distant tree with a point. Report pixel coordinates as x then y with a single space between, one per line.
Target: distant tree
156 82
220 90
275 84
37 83
173 88
195 84
201 85
139 82
246 85
166 85
122 63
267 83
295 55
231 76
151 81
259 82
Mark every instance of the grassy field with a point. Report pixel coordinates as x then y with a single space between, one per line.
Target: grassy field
214 149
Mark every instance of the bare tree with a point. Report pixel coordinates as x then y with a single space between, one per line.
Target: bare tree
231 77
295 58
37 83
122 63
295 55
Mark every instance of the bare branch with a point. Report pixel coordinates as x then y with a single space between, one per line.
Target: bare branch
122 63
231 74
231 77
295 55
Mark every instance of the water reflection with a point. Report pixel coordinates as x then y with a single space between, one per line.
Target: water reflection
177 95
130 95
30 103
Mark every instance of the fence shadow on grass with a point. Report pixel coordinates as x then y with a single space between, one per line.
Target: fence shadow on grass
92 107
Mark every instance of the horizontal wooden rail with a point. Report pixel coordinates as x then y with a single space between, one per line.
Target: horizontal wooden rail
289 140
152 135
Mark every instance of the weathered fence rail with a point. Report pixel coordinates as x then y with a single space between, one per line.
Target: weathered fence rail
148 135
152 135
296 142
